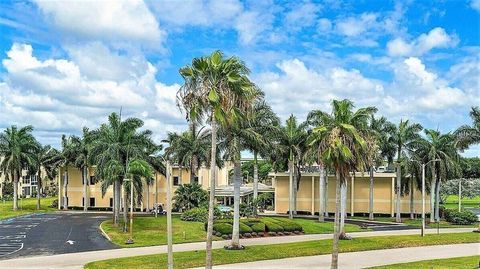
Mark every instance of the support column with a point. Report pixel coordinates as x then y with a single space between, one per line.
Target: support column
392 199
313 196
352 196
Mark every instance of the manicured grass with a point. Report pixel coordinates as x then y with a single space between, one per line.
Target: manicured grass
418 222
470 262
25 206
190 259
452 202
311 226
150 231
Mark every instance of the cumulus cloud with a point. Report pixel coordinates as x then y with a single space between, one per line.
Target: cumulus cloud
63 95
475 4
129 21
436 38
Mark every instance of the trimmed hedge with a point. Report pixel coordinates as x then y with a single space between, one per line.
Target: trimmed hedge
223 228
272 226
258 227
244 228
199 214
464 217
288 225
276 225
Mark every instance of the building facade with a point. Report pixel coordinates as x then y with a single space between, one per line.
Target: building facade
384 196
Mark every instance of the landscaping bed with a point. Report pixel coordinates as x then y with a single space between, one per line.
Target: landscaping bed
257 227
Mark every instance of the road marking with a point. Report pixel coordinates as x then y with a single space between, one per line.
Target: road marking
71 242
7 249
15 236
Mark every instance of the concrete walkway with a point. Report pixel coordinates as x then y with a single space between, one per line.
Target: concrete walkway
365 259
77 260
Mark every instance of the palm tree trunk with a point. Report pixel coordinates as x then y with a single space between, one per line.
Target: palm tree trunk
148 198
118 193
15 190
39 185
85 198
125 210
295 190
290 190
65 187
370 196
321 193
432 194
437 200
325 196
336 226
411 198
211 202
255 176
343 208
398 217
236 202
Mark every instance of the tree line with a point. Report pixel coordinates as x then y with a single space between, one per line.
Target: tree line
227 114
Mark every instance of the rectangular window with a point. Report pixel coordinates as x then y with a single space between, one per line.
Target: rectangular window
195 179
34 189
34 180
26 179
92 201
111 202
26 191
176 181
92 180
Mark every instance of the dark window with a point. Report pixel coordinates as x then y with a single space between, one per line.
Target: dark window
176 181
195 179
92 180
83 201
111 202
92 201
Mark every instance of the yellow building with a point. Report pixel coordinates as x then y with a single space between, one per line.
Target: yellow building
357 194
156 193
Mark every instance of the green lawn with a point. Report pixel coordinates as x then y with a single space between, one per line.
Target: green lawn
418 222
471 262
452 202
25 206
150 231
190 259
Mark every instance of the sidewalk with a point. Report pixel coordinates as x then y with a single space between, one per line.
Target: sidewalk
77 260
363 259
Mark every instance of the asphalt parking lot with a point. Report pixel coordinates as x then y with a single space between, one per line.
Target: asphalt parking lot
53 233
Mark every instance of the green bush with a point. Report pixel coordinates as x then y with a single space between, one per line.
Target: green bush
271 226
223 228
288 225
258 227
199 214
244 228
464 217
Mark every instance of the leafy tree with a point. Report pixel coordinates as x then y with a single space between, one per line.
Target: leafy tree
188 196
469 135
470 167
264 168
215 88
17 147
82 160
470 188
342 146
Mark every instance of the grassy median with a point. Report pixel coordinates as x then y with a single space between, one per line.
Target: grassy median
470 262
151 231
25 206
191 259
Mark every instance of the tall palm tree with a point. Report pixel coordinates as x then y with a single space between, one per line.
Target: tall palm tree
442 147
17 147
342 146
469 135
67 158
217 88
46 159
114 144
292 141
81 152
404 136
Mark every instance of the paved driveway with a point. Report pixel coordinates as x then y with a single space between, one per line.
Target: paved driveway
53 233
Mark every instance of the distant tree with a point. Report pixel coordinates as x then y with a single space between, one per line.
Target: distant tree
470 167
469 135
188 196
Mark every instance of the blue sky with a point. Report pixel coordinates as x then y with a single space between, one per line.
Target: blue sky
68 64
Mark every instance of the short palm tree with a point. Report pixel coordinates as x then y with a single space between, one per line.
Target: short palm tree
188 196
217 88
469 135
404 136
67 158
342 146
81 152
47 159
17 147
113 145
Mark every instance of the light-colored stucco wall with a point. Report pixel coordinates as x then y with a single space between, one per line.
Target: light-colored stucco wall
383 191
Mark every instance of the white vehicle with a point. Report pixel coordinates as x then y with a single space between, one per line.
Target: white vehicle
158 209
381 169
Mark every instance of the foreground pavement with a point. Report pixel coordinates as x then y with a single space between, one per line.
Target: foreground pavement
77 260
363 259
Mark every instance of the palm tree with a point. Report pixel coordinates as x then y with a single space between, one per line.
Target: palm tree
17 147
218 88
442 147
67 158
342 146
81 152
48 159
188 196
404 137
469 135
292 141
114 144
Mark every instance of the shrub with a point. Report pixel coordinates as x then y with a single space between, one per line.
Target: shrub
199 214
258 227
462 218
271 226
223 228
244 228
288 225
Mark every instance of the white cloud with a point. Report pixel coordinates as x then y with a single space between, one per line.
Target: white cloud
356 25
129 21
324 25
475 4
436 38
63 95
302 15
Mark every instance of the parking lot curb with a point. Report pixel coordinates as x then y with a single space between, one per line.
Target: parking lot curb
104 233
